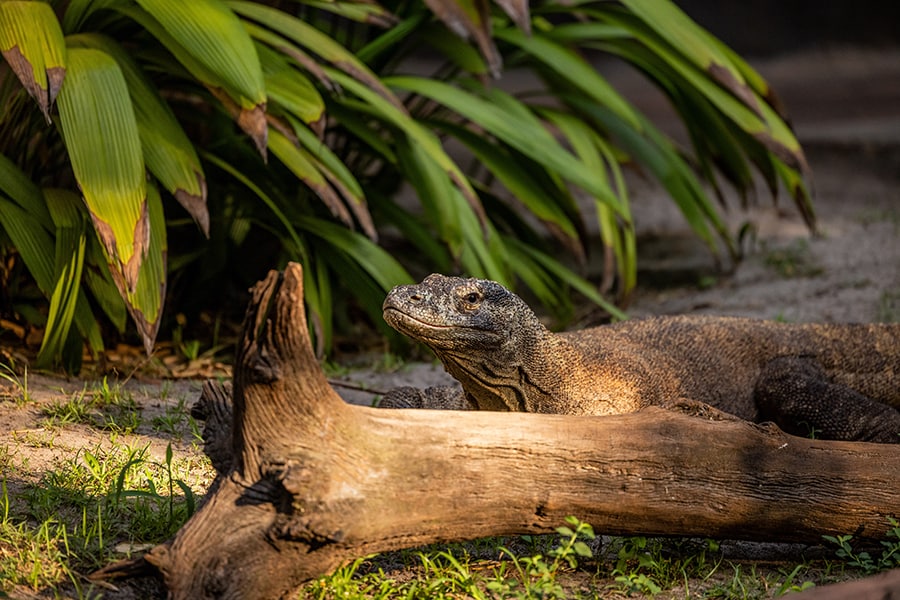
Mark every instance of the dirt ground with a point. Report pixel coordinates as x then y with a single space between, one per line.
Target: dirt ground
849 272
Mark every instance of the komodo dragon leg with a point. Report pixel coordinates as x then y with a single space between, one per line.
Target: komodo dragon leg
439 397
796 394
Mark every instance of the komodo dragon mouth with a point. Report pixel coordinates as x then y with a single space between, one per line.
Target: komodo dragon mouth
429 333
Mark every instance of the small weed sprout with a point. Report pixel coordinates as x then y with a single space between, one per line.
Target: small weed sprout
537 577
635 549
890 554
20 385
642 565
790 586
176 420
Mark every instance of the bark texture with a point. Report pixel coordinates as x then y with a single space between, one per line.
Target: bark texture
314 481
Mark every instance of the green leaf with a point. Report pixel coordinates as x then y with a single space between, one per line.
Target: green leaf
435 192
242 95
37 248
415 231
672 24
470 19
33 242
70 251
753 78
374 260
290 88
454 49
288 50
796 186
709 71
532 140
582 549
418 133
259 193
520 182
314 40
78 11
168 152
104 146
338 175
353 116
616 230
99 281
321 302
574 69
302 164
650 148
484 253
145 303
370 13
567 277
213 35
387 41
32 43
540 283
23 192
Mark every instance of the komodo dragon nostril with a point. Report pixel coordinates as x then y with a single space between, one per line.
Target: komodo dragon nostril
416 297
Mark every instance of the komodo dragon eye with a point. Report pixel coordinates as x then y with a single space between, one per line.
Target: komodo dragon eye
472 300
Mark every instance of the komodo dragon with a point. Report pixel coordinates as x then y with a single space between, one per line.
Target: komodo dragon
836 381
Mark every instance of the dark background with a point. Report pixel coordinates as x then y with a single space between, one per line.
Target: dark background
767 27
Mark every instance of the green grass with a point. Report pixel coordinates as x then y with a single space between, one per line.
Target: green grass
19 385
107 407
453 573
89 509
177 421
93 501
553 569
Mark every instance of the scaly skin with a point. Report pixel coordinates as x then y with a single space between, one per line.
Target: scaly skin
841 381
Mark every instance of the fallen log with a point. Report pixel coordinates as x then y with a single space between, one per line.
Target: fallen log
314 481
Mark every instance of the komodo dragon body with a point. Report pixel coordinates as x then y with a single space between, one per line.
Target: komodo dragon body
839 381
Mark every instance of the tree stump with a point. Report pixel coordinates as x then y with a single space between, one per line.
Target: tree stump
313 481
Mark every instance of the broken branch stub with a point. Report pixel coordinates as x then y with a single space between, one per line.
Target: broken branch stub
314 481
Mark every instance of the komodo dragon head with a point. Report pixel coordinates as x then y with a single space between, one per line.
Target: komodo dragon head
486 336
459 314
